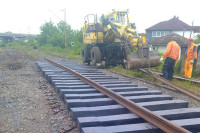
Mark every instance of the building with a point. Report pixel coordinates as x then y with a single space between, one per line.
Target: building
174 25
160 44
14 37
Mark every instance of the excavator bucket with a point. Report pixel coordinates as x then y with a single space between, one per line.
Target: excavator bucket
143 58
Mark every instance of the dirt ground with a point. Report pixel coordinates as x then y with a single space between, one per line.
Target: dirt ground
28 104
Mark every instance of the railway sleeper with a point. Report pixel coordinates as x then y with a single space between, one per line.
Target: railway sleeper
83 83
130 118
72 103
118 109
100 95
192 125
92 90
98 113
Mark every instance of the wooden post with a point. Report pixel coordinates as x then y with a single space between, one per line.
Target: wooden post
183 50
198 59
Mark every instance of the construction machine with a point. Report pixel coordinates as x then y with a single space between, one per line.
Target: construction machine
114 41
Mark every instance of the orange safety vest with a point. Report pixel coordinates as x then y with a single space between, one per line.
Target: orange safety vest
189 52
172 50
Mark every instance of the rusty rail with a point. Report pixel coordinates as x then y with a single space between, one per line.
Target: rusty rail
146 114
177 77
174 86
143 80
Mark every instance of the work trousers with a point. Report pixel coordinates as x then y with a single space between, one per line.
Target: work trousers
188 69
168 68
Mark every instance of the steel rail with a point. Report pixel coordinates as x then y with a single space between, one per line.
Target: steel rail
143 80
176 77
174 86
146 114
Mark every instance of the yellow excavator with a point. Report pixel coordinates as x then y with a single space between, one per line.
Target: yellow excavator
114 41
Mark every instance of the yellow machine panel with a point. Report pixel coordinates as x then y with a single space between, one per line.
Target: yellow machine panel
92 33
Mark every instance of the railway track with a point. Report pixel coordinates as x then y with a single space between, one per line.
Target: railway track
178 88
115 108
177 77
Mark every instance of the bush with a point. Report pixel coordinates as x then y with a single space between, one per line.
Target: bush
195 73
177 68
159 68
2 45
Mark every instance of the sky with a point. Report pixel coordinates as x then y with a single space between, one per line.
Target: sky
26 16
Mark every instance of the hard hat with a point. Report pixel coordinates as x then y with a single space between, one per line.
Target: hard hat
190 39
174 38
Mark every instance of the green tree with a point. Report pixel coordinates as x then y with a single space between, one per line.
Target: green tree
54 35
197 41
30 40
48 32
101 19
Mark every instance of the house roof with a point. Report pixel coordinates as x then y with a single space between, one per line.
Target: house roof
164 40
196 28
173 24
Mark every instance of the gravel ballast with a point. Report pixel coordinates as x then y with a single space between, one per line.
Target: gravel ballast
27 102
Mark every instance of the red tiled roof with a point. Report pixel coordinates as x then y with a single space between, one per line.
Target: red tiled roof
164 40
173 24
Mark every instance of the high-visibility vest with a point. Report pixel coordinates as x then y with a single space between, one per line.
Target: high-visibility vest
190 52
172 50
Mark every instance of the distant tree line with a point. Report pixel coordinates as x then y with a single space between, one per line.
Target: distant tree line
54 35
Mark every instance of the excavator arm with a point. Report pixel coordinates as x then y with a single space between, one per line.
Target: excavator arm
123 31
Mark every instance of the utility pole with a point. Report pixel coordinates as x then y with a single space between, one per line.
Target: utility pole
65 32
65 24
191 28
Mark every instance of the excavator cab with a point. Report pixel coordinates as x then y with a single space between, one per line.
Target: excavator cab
119 17
92 30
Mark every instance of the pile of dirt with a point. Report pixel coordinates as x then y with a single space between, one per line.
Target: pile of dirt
11 59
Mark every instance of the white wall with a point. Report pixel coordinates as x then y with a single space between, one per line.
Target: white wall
159 48
162 49
186 33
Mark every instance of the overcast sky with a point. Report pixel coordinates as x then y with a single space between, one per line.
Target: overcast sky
26 16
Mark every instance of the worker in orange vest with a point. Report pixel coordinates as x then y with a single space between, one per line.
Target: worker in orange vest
190 56
172 55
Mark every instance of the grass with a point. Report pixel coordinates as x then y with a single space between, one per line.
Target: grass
1 50
136 73
188 85
177 70
159 68
68 53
